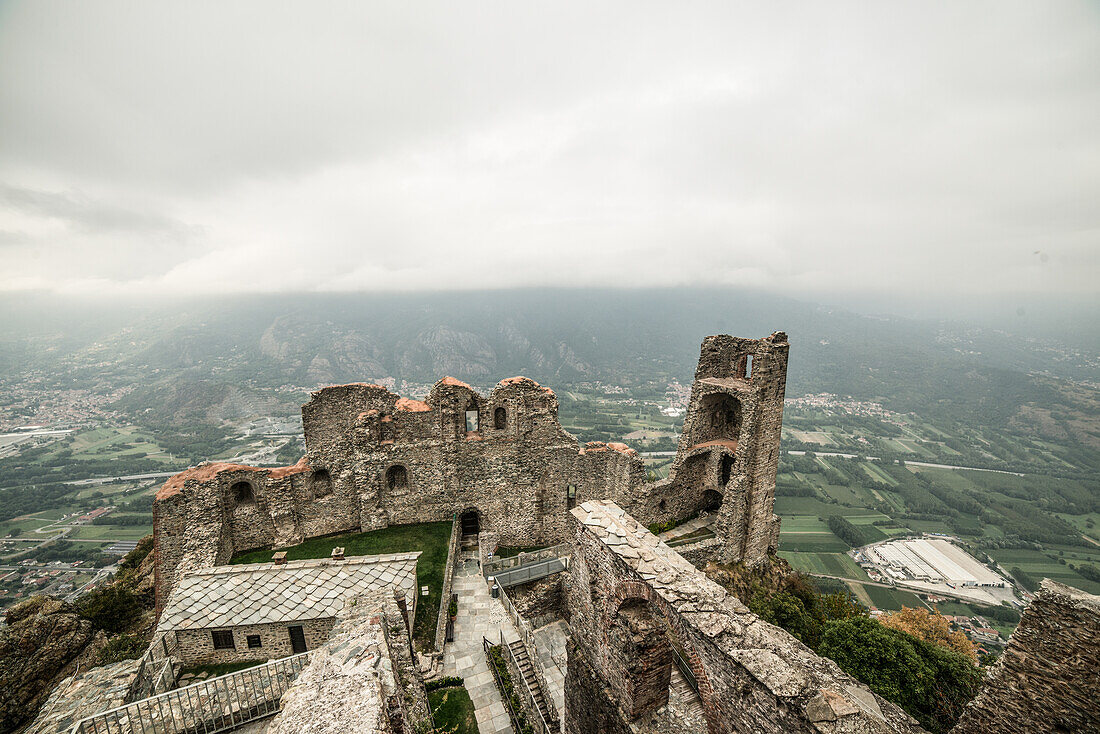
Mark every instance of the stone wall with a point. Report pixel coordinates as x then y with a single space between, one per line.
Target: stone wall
1048 679
539 599
197 645
85 694
375 459
632 600
363 679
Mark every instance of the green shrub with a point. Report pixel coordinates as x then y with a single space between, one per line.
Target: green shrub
111 608
445 682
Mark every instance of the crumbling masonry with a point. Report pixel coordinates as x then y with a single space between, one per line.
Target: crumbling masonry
375 459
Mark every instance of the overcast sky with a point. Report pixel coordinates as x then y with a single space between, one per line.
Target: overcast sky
813 148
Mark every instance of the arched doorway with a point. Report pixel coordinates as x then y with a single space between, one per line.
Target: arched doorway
470 524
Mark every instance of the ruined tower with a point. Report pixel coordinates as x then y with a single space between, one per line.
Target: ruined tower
728 455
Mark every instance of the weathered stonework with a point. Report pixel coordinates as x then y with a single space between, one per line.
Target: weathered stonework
364 679
197 645
1048 679
633 600
375 459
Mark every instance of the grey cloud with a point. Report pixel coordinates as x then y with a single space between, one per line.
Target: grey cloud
832 148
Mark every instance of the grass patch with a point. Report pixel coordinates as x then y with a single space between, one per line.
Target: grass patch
452 710
511 551
430 538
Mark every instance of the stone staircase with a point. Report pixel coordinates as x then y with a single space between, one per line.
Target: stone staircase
527 670
684 698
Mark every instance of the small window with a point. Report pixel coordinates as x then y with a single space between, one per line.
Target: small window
471 421
662 505
242 492
321 483
223 639
500 419
397 477
254 642
748 367
571 496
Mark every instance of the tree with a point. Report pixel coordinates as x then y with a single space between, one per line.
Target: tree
931 682
931 627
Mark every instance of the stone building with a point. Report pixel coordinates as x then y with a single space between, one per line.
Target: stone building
503 461
230 614
635 606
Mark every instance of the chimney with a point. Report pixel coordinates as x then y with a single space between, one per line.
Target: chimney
279 559
338 553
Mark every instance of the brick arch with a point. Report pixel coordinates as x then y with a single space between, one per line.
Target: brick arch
630 590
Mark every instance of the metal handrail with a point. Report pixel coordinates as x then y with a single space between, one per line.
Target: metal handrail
534 701
513 715
526 557
207 707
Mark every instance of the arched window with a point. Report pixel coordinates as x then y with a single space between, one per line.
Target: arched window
473 421
321 483
500 419
397 477
242 493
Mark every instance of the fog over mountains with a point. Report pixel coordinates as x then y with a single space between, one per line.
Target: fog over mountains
627 337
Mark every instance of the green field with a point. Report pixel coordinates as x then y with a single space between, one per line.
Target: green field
892 599
829 564
431 539
804 524
1039 565
811 543
113 532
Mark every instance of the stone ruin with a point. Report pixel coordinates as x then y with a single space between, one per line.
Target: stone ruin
375 459
635 607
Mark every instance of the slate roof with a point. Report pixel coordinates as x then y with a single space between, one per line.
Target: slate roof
263 593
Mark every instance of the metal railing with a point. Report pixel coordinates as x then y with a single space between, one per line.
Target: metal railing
211 706
497 565
531 572
156 671
516 717
527 636
532 697
685 669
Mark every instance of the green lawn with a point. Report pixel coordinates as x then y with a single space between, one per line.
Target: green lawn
453 711
430 539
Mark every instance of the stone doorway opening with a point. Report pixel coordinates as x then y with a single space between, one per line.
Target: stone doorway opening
470 522
712 500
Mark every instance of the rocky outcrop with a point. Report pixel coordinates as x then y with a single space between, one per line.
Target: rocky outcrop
1048 679
44 637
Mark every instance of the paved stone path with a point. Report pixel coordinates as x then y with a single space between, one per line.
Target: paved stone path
479 615
550 647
